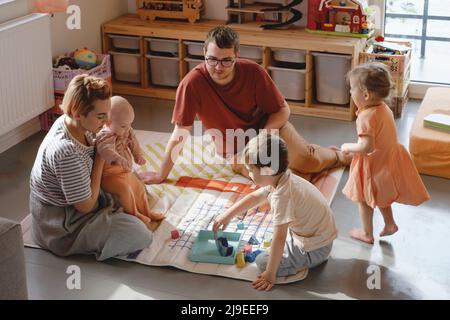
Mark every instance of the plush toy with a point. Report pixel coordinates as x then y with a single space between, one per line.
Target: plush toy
66 63
85 58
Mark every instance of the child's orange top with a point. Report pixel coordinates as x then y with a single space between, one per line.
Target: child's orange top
387 174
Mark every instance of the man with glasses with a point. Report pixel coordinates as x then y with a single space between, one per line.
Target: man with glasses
226 92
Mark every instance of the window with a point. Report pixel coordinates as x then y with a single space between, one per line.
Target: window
427 24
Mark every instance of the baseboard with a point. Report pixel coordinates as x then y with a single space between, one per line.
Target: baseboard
19 134
417 90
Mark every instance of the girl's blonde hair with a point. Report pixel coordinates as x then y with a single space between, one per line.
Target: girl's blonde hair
267 150
373 77
82 92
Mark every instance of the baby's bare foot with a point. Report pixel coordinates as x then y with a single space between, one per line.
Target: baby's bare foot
389 230
361 235
156 216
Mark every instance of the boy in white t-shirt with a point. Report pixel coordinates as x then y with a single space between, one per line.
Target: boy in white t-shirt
304 226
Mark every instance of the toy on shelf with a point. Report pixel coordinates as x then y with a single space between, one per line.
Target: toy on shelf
264 15
340 17
170 9
85 58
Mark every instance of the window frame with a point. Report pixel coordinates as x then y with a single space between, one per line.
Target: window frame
425 17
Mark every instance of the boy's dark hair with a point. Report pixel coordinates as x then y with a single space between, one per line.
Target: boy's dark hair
224 37
267 150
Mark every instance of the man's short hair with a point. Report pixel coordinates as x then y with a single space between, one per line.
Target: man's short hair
224 37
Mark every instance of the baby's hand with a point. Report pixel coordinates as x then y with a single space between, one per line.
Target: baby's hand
140 160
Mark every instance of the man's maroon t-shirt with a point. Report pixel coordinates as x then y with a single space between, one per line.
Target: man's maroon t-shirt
244 103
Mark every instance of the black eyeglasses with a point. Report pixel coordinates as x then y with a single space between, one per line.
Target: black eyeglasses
226 63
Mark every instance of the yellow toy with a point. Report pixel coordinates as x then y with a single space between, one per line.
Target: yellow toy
85 58
266 244
240 259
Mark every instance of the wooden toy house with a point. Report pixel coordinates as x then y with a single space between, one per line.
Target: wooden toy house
344 17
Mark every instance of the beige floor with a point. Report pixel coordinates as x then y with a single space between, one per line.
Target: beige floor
413 264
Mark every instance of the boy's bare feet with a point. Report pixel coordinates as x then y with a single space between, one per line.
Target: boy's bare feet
389 230
361 235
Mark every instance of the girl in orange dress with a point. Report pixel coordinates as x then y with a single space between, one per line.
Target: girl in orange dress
382 171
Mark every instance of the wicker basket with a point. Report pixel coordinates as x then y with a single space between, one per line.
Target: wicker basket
61 80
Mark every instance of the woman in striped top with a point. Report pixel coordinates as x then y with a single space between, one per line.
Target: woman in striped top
71 214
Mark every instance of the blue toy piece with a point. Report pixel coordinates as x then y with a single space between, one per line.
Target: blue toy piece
222 245
257 252
205 247
240 225
253 240
250 257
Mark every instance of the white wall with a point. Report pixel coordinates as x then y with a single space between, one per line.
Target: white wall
14 9
93 14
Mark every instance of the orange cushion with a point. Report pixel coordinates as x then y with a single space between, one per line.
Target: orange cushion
429 148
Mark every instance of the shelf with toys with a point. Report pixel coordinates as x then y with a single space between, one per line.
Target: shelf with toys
178 9
172 52
396 54
262 14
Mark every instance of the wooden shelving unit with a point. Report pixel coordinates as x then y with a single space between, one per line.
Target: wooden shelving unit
293 38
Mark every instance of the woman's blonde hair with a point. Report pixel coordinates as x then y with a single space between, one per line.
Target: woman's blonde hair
82 92
267 150
373 77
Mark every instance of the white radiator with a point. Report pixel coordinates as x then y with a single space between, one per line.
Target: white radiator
26 81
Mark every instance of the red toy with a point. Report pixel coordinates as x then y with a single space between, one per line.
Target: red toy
339 17
248 248
175 234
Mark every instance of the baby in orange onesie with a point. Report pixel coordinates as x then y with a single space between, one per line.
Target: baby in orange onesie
118 146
